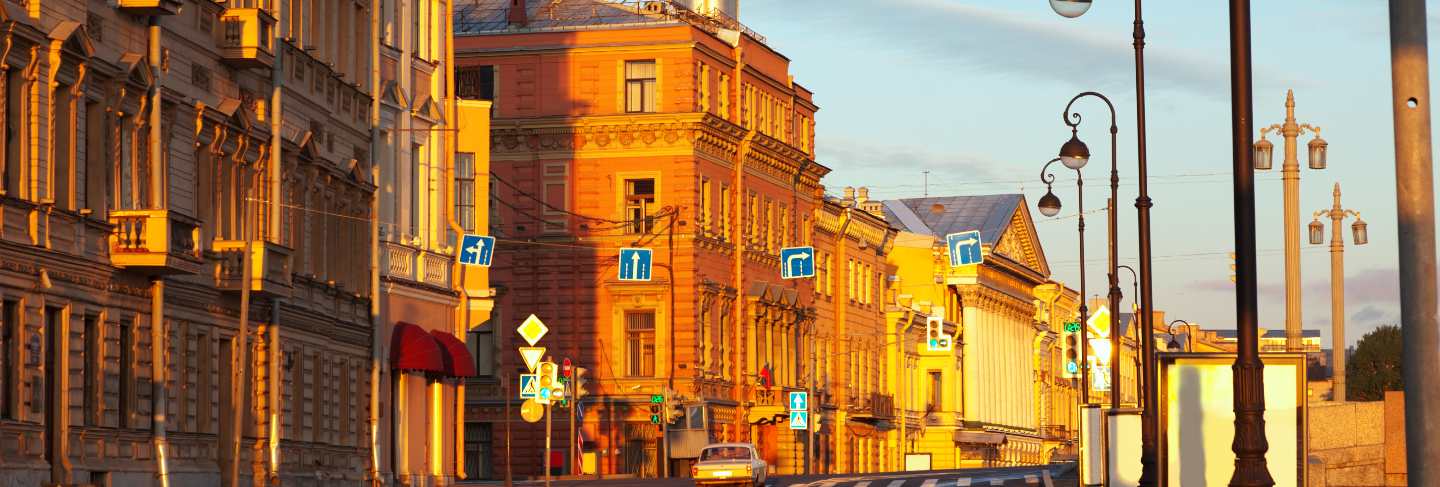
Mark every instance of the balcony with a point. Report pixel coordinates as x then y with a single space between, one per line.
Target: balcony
148 7
409 263
247 38
155 241
269 267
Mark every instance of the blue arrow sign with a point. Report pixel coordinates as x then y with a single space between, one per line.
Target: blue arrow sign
476 249
797 262
964 248
635 264
799 401
799 420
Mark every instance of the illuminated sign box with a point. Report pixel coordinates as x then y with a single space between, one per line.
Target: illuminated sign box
1197 396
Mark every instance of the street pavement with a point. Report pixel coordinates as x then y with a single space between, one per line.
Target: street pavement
1061 475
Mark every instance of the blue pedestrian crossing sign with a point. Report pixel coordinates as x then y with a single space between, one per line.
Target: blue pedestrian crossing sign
799 401
476 249
635 264
964 248
529 386
799 420
797 262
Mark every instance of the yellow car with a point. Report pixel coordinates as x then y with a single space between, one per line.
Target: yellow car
734 464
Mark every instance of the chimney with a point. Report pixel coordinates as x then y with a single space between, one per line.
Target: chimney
849 198
863 196
518 16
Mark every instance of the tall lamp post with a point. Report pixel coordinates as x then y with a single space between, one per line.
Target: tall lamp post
1337 214
1264 155
1150 423
1050 206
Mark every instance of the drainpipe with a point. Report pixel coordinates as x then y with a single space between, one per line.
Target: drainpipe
377 342
272 170
157 284
452 135
738 232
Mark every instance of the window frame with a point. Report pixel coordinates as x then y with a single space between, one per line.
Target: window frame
640 362
645 86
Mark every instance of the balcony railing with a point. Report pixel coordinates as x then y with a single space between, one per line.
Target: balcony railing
148 7
399 260
247 37
270 271
437 268
155 241
412 264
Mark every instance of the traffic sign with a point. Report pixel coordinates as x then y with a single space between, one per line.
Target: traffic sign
529 386
1099 322
532 356
1072 327
476 249
635 264
964 248
797 262
799 420
531 411
532 330
799 401
1100 378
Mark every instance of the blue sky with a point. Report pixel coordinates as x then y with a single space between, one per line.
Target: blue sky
973 91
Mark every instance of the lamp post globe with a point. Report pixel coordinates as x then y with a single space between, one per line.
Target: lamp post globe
1070 8
1074 154
1264 155
1049 204
1362 236
1317 233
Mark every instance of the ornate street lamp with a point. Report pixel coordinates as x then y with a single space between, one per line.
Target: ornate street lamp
1074 154
1337 214
1050 206
1174 344
1291 131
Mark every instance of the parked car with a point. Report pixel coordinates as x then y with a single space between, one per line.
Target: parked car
734 464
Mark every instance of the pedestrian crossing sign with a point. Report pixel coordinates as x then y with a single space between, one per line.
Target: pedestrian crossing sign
799 420
529 386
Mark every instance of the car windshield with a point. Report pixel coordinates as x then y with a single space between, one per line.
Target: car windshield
725 453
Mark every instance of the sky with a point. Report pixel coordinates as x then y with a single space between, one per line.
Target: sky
973 91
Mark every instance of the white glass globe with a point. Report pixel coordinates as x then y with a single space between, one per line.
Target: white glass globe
1070 8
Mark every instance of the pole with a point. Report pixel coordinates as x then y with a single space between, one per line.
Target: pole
1337 298
1149 418
1115 335
548 418
1290 173
1415 201
1249 444
505 391
1084 307
810 395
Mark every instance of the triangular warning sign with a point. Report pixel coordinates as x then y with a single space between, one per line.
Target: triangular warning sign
529 388
532 356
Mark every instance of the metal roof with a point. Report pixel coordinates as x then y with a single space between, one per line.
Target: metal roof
492 16
1275 333
942 215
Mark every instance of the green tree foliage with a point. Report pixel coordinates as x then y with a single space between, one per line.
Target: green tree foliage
1375 366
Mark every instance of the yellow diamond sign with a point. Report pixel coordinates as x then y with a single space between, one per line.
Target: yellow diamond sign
1100 322
532 330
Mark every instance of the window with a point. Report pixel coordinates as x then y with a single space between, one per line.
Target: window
127 165
707 206
14 184
97 167
725 96
9 358
557 197
494 207
465 190
639 199
723 223
479 446
413 212
482 347
770 227
475 83
722 342
127 370
640 86
640 343
704 87
92 385
61 135
932 402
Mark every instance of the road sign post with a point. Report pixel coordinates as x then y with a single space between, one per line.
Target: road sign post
797 262
965 248
635 264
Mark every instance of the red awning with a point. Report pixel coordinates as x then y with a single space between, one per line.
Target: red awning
413 349
458 362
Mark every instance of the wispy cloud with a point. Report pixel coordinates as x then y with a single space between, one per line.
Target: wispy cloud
997 41
895 165
1368 314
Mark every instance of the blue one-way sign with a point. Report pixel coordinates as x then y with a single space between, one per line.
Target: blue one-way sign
964 248
476 249
635 264
797 262
799 401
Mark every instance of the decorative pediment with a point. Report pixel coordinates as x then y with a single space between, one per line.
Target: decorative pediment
431 111
76 38
136 68
307 146
1020 243
393 94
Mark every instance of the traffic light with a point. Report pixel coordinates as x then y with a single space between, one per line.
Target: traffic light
578 382
565 368
1072 351
674 411
1232 267
654 413
935 338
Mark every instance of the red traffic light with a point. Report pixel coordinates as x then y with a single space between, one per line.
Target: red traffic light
565 367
